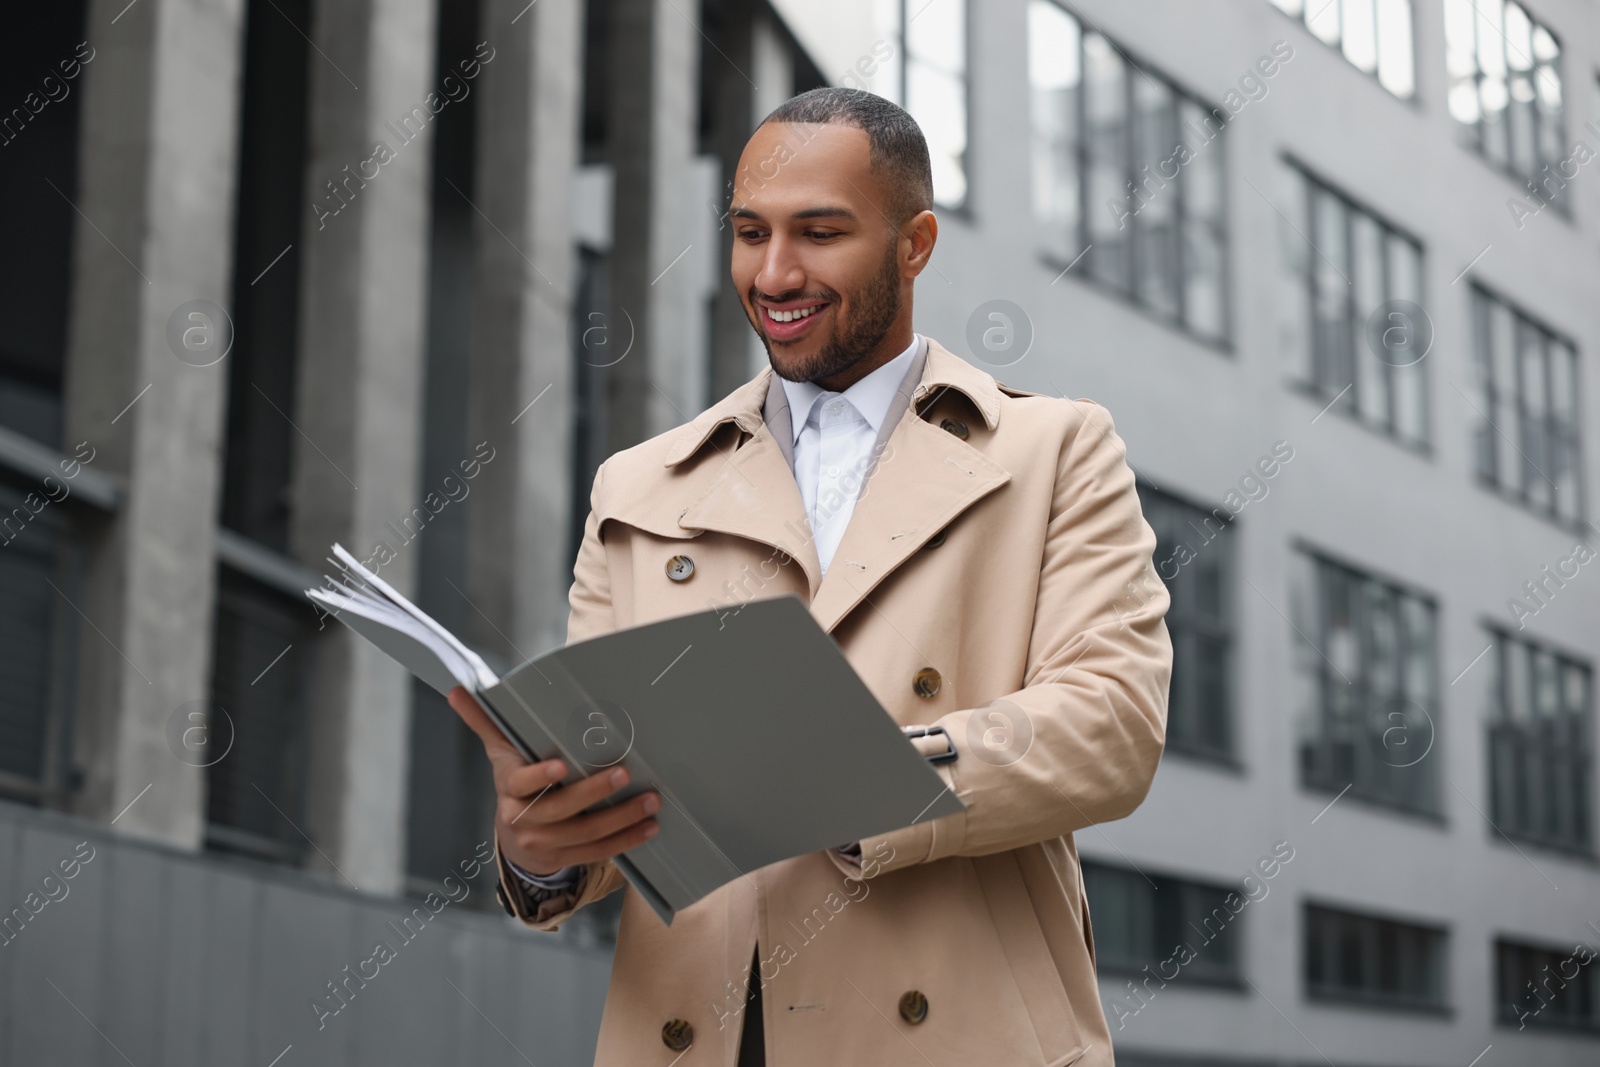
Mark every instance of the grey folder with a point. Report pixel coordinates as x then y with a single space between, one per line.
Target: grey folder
761 739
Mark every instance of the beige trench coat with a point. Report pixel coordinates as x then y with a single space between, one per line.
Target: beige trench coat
1012 559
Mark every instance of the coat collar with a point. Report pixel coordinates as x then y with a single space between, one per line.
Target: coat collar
925 479
944 370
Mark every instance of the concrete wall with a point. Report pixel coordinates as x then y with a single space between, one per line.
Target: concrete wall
148 954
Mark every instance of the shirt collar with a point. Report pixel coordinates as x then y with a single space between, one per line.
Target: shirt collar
870 396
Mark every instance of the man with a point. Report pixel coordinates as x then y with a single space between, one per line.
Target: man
991 577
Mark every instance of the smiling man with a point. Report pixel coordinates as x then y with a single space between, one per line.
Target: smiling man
979 555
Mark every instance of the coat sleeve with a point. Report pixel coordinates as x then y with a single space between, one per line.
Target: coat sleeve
1079 743
590 615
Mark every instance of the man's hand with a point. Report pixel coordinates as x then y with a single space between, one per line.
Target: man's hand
540 825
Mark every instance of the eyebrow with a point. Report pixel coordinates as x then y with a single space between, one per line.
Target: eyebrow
826 212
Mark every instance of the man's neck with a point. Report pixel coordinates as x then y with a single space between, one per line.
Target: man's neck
888 349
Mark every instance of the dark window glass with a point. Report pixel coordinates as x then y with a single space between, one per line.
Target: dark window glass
1371 959
1526 437
1194 557
256 723
1367 689
1558 989
1170 925
1541 745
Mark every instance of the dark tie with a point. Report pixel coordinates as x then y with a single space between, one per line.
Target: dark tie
752 1041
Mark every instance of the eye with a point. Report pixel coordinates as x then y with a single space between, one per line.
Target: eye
822 234
751 235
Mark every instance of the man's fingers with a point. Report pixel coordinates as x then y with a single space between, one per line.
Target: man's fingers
606 847
567 801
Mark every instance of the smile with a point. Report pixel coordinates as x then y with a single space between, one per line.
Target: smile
795 315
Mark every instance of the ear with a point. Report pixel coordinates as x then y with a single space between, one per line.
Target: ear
922 230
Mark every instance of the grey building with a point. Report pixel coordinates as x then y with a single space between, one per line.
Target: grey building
401 273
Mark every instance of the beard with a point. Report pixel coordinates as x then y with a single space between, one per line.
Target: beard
877 305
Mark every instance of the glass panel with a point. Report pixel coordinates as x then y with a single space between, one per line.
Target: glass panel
938 103
1294 280
1367 272
1502 331
1324 20
1461 60
937 34
1155 201
1410 382
1107 106
1205 285
1360 35
1396 70
1493 94
1055 74
1332 368
887 82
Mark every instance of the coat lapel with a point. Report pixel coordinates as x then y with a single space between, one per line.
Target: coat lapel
922 482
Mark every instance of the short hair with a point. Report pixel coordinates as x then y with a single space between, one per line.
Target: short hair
898 151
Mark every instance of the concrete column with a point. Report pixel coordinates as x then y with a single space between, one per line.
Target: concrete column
522 351
155 200
757 77
358 404
652 125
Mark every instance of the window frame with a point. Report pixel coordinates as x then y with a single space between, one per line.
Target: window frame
1347 401
1499 721
1307 12
1373 925
963 208
1129 294
1504 1011
1481 298
1223 629
1473 136
1305 554
1228 973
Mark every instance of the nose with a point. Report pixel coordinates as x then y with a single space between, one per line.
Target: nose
781 270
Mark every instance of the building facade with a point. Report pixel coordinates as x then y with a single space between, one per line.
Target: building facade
400 274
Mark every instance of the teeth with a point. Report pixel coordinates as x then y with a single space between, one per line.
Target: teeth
791 316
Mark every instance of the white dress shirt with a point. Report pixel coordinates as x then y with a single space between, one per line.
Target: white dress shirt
833 438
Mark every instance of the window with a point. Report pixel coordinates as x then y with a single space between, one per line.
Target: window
1540 745
1355 332
927 76
1366 685
1194 557
1506 91
1128 175
1553 988
1378 961
1144 921
1526 440
257 721
1374 35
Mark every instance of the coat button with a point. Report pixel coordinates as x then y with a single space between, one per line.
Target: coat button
677 1034
955 426
926 683
937 539
913 1006
680 568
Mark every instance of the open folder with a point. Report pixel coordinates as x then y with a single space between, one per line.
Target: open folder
762 741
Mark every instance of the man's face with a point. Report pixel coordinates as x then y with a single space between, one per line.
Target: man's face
813 244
